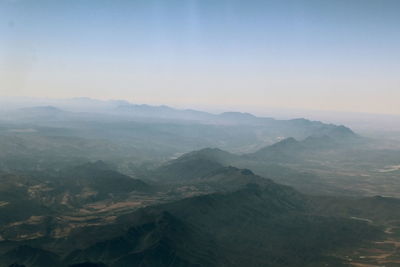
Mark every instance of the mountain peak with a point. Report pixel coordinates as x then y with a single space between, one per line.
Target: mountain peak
237 115
342 131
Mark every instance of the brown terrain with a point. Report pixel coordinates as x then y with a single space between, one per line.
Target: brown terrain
384 253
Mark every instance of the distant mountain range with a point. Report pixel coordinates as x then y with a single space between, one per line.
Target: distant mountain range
123 108
130 134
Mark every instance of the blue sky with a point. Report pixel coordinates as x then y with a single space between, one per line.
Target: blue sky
333 54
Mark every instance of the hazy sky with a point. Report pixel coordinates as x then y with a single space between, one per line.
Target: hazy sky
315 54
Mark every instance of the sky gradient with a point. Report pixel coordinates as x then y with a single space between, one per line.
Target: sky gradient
330 55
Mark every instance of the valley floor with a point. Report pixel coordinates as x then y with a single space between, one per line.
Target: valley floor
384 253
